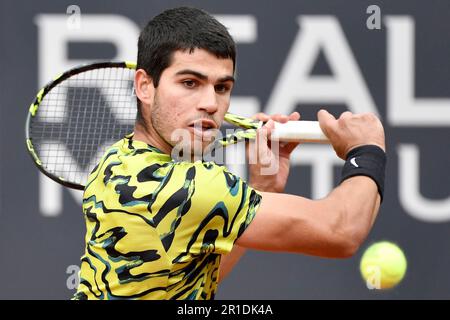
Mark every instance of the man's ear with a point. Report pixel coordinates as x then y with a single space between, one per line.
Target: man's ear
143 85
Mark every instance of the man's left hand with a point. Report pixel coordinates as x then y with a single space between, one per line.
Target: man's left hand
268 153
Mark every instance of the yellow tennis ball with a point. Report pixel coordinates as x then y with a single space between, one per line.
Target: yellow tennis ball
383 265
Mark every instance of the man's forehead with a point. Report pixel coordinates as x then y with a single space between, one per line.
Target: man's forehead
202 61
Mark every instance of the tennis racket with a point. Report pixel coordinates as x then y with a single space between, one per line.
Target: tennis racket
80 113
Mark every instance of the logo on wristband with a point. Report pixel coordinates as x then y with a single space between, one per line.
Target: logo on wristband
353 162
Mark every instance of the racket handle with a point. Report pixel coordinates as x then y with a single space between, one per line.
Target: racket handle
299 131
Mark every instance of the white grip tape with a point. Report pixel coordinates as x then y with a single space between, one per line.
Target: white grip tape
299 131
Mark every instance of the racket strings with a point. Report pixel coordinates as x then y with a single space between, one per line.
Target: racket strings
80 117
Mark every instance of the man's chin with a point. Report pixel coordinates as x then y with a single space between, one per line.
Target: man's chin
201 146
195 149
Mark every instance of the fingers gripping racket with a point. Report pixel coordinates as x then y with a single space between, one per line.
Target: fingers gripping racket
79 114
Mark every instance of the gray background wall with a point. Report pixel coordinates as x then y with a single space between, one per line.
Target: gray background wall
37 249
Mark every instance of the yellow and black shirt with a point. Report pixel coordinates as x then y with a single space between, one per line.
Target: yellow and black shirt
156 228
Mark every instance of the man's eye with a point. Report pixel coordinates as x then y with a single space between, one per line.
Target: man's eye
189 83
221 88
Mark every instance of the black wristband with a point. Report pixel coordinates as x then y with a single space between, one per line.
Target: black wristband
367 160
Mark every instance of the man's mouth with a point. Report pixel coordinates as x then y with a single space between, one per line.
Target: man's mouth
204 128
204 124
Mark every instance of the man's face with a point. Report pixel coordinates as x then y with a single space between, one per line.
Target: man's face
193 95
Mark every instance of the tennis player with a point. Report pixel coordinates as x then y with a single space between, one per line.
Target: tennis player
160 228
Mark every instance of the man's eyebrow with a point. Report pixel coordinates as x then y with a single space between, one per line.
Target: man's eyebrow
227 78
203 76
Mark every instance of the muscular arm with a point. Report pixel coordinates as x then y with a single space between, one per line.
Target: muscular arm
332 227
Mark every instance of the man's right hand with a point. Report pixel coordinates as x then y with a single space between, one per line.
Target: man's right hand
351 130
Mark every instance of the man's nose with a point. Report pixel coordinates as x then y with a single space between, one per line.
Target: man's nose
208 101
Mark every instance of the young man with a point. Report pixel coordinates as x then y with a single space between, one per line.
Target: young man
159 228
